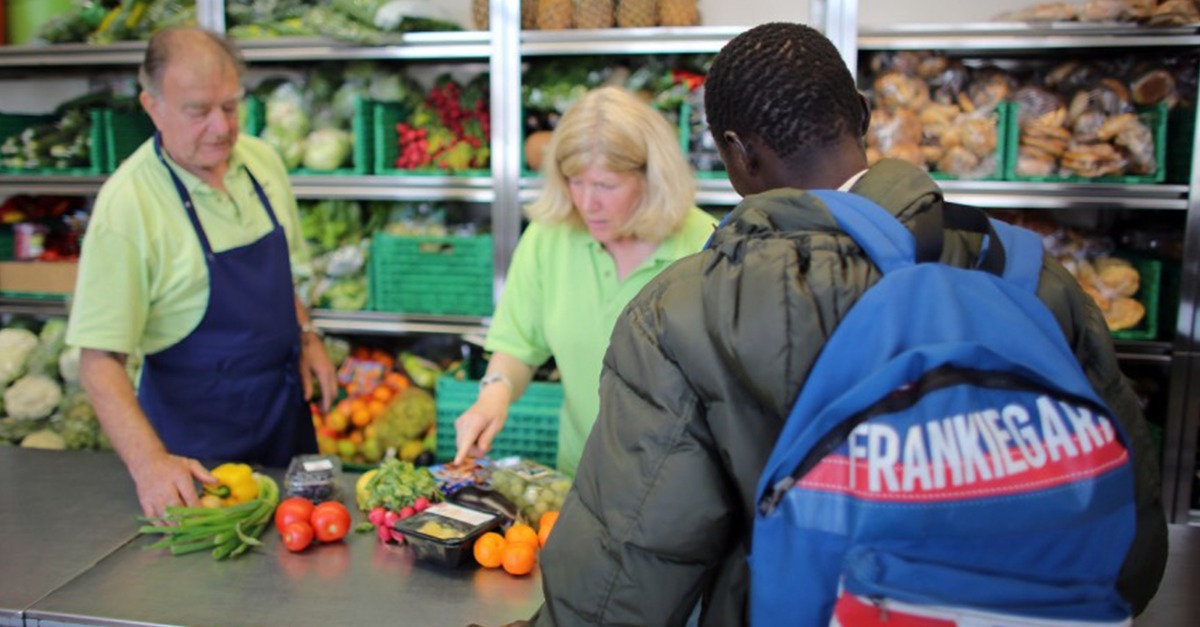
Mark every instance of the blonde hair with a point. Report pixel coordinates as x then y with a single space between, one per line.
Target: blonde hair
614 129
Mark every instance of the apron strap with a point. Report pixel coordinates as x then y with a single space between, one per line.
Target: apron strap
190 207
185 197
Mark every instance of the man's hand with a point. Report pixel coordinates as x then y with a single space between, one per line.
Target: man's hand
315 364
165 480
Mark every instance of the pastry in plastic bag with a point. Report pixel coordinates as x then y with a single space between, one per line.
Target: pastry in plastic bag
978 135
1034 102
1124 313
1153 86
1128 132
1104 11
960 162
1034 162
990 88
1116 277
1093 160
1085 128
1174 13
894 90
1045 12
907 152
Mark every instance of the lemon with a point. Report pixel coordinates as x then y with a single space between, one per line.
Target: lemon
360 488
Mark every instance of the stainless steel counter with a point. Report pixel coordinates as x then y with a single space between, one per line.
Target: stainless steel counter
60 514
69 555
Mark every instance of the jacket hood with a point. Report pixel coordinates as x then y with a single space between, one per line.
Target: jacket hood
781 273
898 186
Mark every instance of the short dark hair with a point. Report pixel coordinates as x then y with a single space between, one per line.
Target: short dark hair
171 42
785 83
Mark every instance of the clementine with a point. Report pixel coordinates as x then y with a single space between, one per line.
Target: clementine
545 524
519 558
490 549
520 532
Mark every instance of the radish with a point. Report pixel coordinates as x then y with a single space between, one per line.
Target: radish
390 518
421 504
406 511
376 516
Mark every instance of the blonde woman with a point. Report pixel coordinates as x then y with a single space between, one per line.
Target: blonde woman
617 209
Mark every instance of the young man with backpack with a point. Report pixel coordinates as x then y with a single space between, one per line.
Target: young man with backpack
708 361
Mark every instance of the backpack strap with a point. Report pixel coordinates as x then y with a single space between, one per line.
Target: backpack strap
887 242
1011 252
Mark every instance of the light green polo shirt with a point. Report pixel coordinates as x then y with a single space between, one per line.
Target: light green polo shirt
562 298
142 282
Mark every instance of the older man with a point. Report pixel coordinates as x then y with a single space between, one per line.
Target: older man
189 259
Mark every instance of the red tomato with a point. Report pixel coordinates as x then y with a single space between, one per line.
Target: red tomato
297 536
330 521
295 509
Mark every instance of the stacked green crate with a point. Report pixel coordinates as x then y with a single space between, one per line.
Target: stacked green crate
417 274
531 431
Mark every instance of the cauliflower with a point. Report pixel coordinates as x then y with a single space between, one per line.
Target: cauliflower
44 358
46 439
68 365
32 397
15 346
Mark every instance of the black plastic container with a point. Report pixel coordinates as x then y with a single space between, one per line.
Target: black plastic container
445 533
313 477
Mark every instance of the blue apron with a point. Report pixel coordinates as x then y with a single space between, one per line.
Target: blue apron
230 391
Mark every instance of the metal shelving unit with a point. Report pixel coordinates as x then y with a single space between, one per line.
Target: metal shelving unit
1180 355
505 46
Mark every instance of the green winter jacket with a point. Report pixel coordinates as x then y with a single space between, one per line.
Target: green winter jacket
703 368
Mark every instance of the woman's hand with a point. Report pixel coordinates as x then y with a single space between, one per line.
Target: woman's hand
477 427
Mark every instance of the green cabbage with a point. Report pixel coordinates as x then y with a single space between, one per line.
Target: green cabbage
327 149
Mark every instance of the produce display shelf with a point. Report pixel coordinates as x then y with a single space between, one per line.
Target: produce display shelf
676 40
431 187
30 306
436 45
1021 37
74 55
380 323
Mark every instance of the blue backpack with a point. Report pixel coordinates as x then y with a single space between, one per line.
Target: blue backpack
947 461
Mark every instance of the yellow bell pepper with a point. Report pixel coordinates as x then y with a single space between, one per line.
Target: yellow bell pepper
235 484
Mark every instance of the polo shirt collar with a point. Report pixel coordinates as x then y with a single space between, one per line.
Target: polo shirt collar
193 183
670 249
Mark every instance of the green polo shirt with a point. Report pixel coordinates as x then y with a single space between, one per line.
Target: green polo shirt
562 298
143 282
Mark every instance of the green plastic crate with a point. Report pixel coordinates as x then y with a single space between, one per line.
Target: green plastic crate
1149 286
7 243
432 275
14 123
530 432
1005 117
387 148
124 132
1155 117
252 116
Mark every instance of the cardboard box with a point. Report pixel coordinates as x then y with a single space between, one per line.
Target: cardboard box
40 277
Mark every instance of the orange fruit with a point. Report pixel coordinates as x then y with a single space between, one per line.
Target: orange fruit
519 558
382 393
489 549
361 417
545 524
520 532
